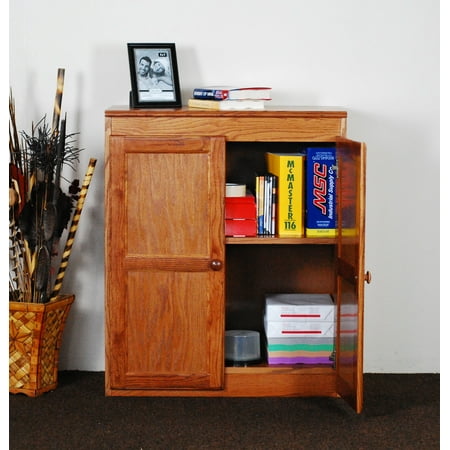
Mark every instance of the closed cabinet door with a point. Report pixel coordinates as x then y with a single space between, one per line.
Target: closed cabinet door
350 270
165 263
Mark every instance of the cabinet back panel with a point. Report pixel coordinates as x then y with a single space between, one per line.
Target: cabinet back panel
254 270
246 159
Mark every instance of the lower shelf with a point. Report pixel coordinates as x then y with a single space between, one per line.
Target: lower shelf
257 381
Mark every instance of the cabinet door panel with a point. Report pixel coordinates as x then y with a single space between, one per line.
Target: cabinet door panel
165 229
168 331
350 276
167 198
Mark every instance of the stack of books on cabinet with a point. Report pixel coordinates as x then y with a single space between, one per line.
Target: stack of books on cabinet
300 328
229 98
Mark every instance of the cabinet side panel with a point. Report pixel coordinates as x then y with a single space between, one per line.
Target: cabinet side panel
114 232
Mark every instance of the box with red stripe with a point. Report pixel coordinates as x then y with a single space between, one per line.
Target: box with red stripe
300 307
295 329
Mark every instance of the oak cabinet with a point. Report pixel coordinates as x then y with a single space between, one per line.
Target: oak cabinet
174 283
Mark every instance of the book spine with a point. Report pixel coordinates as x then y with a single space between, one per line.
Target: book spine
203 104
290 188
321 192
257 200
210 94
274 205
260 205
267 190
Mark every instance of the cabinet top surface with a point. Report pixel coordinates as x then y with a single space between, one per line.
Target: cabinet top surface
298 111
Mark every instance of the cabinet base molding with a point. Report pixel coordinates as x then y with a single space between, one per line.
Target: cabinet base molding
245 382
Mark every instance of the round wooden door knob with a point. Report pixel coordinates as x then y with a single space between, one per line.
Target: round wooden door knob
216 264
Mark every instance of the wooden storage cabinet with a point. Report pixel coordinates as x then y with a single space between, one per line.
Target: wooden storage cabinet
174 283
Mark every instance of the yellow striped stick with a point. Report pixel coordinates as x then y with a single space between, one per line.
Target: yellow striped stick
73 229
58 100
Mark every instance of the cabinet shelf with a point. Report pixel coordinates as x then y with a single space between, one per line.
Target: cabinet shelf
275 240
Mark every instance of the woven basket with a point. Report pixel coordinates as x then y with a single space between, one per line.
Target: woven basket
35 335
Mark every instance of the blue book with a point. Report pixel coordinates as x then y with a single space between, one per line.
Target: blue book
321 171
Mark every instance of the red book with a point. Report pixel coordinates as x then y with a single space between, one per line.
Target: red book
240 227
240 207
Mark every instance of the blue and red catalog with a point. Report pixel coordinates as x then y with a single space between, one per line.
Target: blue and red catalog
321 171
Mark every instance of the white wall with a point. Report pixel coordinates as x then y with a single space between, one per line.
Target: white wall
379 59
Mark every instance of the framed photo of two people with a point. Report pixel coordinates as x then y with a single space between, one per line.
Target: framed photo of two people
154 76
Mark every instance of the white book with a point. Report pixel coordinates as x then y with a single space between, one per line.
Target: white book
227 105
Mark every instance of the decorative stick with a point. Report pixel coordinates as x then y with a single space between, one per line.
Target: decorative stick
73 229
58 100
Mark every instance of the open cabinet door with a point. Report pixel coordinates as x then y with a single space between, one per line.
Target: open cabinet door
350 271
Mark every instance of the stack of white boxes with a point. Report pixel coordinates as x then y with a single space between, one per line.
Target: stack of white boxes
300 328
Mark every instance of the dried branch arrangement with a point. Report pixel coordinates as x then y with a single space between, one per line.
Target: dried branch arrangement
39 209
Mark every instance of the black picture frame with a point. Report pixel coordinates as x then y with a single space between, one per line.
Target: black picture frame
154 76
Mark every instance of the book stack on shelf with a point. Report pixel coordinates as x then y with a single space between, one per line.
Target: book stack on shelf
294 196
240 211
299 328
228 98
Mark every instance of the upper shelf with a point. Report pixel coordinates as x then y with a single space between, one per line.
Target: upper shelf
274 240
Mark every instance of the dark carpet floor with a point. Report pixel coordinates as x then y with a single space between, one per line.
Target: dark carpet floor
401 411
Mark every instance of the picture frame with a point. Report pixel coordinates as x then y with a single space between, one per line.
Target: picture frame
154 75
